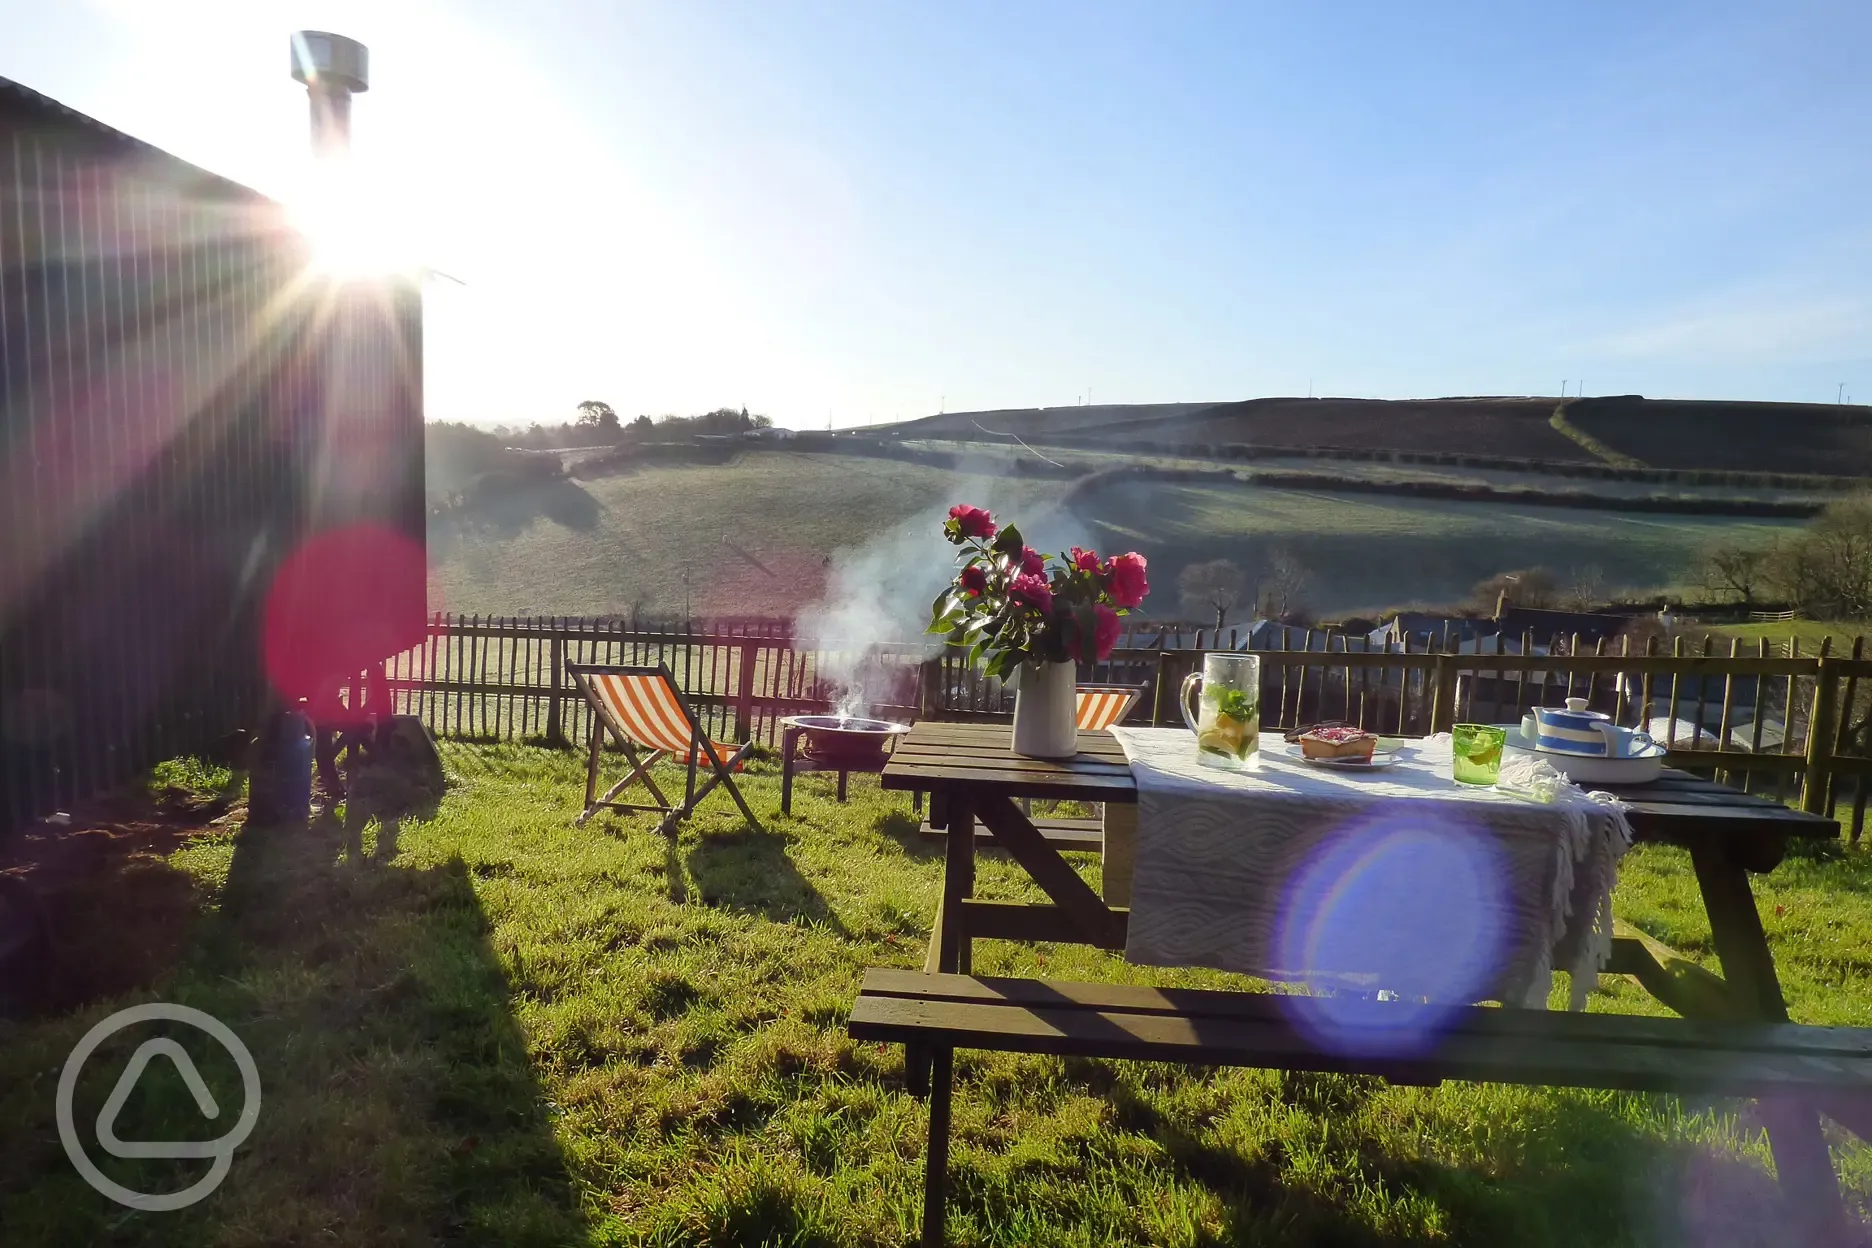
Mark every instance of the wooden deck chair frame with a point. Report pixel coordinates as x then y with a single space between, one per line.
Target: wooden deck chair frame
1113 713
1131 695
605 722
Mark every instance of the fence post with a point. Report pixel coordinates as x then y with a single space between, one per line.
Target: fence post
929 687
1172 667
1819 730
1848 696
1443 696
555 729
744 693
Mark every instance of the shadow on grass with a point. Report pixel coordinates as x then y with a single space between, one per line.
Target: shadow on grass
409 985
506 515
673 871
1579 1174
399 1102
903 826
1260 1201
752 871
1584 1174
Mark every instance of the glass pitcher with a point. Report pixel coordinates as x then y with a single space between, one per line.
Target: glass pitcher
1228 727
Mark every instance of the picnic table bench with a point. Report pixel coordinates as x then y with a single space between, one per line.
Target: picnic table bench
1749 1050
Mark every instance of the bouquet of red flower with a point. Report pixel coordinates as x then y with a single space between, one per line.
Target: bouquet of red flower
1014 604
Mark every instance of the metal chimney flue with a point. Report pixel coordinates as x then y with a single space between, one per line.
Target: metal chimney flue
333 69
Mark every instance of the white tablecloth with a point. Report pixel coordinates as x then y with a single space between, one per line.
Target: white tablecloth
1396 879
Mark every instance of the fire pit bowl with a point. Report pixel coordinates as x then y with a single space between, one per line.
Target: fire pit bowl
846 740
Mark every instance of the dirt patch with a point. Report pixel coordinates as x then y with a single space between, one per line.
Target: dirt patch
116 915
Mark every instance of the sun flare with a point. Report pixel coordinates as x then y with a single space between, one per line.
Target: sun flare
351 233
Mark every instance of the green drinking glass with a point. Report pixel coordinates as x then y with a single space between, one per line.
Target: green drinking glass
1476 751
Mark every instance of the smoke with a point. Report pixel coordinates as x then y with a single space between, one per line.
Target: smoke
870 624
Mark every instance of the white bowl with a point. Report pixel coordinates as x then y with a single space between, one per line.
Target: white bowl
1641 766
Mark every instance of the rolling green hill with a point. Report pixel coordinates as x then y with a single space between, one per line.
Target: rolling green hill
1683 434
759 535
1827 438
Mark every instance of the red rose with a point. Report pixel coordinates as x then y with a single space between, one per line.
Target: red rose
1128 585
1032 562
972 521
1032 590
1085 560
1105 629
974 579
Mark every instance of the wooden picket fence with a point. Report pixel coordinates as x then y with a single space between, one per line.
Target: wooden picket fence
489 678
1758 714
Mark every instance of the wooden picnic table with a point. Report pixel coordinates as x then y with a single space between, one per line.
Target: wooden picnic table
972 775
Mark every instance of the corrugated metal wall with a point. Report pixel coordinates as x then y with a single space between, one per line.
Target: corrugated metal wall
181 407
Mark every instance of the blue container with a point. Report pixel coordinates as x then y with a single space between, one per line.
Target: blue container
281 791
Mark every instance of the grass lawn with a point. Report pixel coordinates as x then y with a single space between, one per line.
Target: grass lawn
1810 634
492 1027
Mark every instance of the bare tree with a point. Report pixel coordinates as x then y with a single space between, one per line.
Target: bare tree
1729 568
1216 586
1283 584
1827 567
1587 589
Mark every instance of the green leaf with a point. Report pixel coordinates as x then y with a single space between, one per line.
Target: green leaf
1236 704
1009 540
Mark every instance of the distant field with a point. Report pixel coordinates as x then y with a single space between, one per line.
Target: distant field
754 536
1514 427
1510 427
1746 437
1663 433
758 536
1365 553
1455 476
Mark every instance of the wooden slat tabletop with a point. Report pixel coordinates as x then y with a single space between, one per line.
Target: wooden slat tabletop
934 754
1678 806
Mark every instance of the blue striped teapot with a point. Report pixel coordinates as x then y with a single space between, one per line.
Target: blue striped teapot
1577 730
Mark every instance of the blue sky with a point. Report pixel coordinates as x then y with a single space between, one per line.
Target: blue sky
857 212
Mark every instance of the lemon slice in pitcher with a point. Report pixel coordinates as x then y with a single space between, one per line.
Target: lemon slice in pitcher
1218 741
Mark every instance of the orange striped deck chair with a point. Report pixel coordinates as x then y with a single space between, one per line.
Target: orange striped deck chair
644 710
1101 706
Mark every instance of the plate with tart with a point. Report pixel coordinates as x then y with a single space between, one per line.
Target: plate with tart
1341 746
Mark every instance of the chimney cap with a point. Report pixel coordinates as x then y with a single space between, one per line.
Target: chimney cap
321 59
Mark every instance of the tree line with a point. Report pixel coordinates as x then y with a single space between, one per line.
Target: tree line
597 423
467 462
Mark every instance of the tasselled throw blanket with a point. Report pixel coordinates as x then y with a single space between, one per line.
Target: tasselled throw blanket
1394 881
